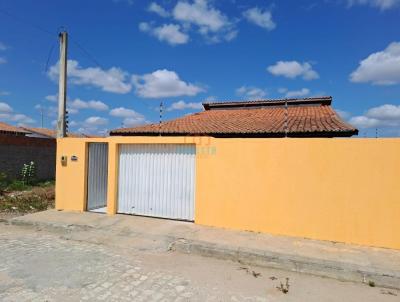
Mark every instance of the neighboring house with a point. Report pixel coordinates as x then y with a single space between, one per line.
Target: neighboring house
6 129
48 133
19 146
307 117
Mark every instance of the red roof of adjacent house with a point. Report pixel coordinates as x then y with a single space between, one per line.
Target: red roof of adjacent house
9 129
262 118
50 132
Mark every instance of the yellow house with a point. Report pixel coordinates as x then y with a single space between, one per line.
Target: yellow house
265 166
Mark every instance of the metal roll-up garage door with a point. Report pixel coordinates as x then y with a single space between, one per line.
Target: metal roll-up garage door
157 180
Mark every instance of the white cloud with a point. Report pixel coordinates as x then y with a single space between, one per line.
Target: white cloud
296 93
380 68
131 117
343 114
262 18
386 112
125 112
250 92
20 119
3 46
387 115
95 121
5 108
211 22
5 93
364 122
170 33
52 98
3 60
111 80
381 4
92 104
163 83
293 69
182 105
158 9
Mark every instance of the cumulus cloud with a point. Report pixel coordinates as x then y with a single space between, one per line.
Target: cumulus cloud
52 98
158 9
381 4
7 114
95 121
170 33
163 83
293 69
182 105
343 114
262 18
20 119
130 117
250 92
295 93
387 115
111 80
92 104
380 68
210 22
5 108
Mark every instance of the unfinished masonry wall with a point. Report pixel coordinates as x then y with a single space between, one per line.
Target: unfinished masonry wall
345 190
15 151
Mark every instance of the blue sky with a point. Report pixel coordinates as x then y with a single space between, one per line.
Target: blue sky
128 55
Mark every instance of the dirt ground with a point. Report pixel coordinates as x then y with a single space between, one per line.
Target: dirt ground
15 203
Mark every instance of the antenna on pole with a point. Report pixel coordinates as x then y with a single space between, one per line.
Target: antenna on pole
41 117
161 113
286 118
62 85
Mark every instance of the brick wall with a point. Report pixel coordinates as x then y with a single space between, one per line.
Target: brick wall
15 151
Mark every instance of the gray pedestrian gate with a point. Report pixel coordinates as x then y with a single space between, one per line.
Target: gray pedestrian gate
97 177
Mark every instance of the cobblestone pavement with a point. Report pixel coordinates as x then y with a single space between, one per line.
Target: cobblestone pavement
41 266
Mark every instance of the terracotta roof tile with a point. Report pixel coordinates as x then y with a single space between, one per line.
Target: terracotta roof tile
49 132
304 119
11 129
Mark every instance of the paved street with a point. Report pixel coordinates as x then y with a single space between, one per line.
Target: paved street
42 266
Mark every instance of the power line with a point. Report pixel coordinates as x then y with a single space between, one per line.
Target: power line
49 56
84 51
53 34
7 13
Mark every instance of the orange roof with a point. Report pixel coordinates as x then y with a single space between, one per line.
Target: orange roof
263 118
11 129
49 132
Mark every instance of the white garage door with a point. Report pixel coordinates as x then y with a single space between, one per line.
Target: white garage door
157 180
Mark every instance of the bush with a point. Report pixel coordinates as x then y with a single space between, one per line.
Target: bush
28 172
18 185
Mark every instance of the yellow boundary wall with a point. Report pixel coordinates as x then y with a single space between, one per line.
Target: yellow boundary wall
345 190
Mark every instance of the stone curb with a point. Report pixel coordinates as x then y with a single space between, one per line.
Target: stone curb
289 262
324 268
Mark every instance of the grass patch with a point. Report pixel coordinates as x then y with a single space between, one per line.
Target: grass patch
23 204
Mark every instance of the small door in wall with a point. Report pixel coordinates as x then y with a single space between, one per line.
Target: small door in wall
97 177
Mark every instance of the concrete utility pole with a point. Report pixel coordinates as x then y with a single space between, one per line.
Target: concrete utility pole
62 85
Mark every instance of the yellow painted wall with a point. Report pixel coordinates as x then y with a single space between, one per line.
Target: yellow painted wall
345 190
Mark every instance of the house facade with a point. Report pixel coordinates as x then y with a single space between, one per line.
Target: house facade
264 166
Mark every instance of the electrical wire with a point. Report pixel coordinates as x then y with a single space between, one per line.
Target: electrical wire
7 13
